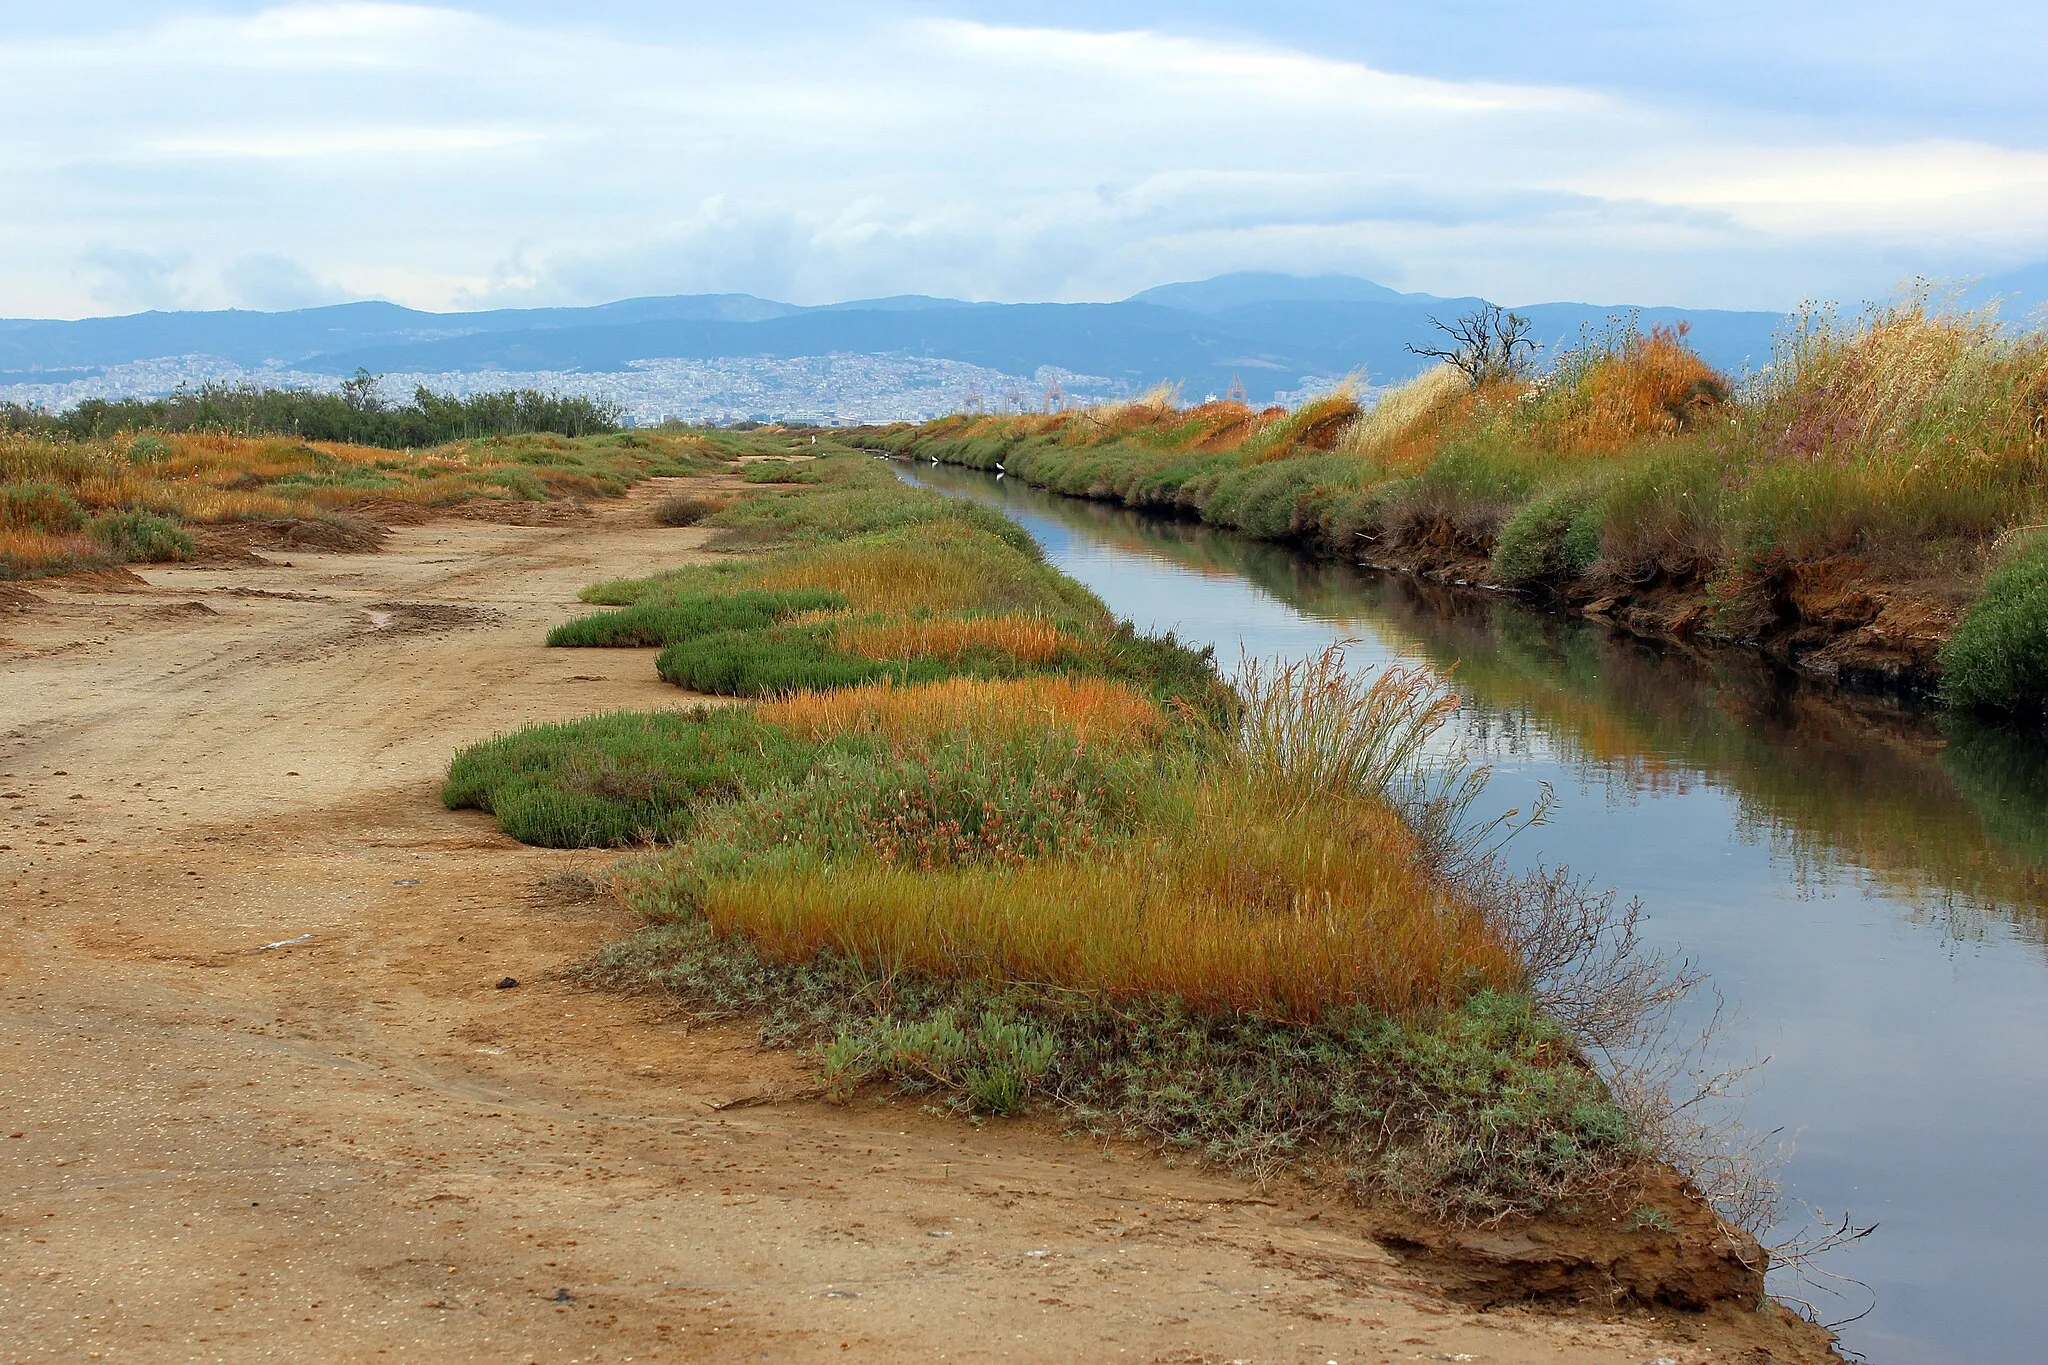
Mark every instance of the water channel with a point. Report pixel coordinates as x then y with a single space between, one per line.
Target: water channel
1866 887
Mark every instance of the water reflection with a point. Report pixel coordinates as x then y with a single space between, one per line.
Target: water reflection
1929 808
1867 882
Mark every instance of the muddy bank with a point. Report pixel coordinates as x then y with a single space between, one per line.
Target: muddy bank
1842 620
1837 620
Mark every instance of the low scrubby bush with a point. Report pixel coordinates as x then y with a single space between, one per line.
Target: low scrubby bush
614 779
782 471
686 509
662 623
766 663
141 538
928 801
39 506
1474 1112
1998 657
1553 538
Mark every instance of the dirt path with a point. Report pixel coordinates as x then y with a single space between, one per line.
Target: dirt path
355 1146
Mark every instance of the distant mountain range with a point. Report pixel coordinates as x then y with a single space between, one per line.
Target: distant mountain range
1272 332
1275 334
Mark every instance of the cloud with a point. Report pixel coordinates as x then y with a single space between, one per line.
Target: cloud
447 157
268 281
129 281
1911 188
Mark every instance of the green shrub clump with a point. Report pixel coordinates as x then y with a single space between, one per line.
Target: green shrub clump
941 804
1470 1113
757 663
142 537
652 624
614 779
685 509
1549 540
37 506
1997 660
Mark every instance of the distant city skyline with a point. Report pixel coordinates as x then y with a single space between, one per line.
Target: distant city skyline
201 155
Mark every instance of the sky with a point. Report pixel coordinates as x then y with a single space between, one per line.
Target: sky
1745 154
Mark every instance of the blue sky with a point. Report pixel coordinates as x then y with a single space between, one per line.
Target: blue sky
1742 155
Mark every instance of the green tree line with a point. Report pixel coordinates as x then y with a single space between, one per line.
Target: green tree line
358 414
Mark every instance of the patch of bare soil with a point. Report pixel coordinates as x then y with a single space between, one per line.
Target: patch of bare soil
266 1097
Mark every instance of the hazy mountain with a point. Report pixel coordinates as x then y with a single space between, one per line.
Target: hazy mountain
251 338
2021 294
1270 331
1264 286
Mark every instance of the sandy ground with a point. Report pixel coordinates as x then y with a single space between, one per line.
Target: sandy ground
354 1146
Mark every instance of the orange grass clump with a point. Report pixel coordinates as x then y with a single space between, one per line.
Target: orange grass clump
1092 710
1289 914
947 569
24 552
1027 639
1654 385
892 578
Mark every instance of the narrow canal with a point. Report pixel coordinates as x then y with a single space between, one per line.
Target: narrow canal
1867 888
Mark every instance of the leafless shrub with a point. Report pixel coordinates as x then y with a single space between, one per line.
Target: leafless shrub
685 509
1488 345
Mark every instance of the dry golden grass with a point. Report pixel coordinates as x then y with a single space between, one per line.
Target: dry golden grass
1027 639
887 578
1391 427
1222 425
1092 710
1234 907
948 567
1316 426
1157 406
1650 386
23 551
1278 878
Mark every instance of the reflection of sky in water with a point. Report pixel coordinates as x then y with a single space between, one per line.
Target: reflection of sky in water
1906 1057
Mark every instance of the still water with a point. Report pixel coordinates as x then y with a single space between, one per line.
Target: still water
1867 888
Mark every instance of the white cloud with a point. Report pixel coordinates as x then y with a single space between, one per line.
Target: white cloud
1270 73
1914 188
448 158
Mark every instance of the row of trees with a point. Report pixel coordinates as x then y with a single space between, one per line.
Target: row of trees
358 414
